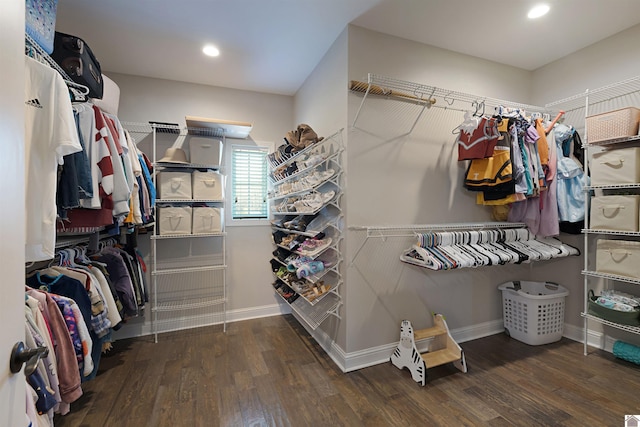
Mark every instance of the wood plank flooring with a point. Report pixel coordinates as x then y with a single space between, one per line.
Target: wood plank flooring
270 372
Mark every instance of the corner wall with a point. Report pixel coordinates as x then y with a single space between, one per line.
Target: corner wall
249 248
397 179
321 102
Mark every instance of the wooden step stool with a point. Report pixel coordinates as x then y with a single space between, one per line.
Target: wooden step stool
442 349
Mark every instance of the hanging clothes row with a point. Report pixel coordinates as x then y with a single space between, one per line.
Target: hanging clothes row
72 308
475 248
513 167
83 173
107 183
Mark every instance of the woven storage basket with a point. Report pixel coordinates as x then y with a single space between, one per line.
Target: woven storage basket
614 124
631 318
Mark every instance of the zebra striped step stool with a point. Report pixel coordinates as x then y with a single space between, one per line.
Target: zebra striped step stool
442 349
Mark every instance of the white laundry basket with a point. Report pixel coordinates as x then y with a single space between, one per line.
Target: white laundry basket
533 311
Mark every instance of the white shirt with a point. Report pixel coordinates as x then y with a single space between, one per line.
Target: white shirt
50 134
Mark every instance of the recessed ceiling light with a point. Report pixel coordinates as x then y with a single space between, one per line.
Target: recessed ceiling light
210 50
538 11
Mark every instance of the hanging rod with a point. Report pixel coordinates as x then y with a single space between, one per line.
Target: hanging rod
380 230
448 96
386 231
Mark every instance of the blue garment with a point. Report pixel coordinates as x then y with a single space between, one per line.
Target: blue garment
571 182
83 167
148 180
74 182
67 287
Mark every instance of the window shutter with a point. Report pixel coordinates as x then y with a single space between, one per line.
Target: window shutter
249 183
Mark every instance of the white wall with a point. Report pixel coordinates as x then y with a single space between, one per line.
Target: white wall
608 61
249 248
321 102
416 179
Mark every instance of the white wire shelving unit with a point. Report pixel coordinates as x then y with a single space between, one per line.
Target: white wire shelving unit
622 94
181 291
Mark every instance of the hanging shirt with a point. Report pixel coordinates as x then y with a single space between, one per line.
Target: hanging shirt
50 134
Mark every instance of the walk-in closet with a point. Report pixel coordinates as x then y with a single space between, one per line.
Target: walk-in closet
351 213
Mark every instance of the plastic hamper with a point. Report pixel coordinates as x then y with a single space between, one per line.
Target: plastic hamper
533 311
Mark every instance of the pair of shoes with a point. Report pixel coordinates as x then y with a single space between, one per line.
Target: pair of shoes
318 177
302 137
295 263
280 222
312 202
278 236
281 254
313 246
309 268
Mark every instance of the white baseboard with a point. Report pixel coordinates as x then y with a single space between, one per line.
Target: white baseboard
139 327
353 361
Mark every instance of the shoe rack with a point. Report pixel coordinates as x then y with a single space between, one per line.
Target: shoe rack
305 201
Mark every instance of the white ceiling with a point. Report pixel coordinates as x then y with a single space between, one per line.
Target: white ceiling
273 45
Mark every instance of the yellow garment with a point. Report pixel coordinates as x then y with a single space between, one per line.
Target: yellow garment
543 144
489 172
511 198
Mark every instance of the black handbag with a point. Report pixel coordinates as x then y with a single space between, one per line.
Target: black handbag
76 58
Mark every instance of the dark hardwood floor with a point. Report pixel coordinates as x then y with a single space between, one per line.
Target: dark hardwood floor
270 372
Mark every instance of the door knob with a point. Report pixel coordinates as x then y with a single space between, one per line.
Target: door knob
21 355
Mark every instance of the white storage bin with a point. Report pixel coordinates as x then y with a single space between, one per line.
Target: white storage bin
615 213
620 166
619 257
174 185
533 311
207 220
205 151
207 185
174 220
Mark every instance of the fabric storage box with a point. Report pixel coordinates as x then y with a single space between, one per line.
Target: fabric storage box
533 311
40 22
620 257
174 185
631 318
206 220
207 185
205 151
174 220
613 124
615 213
616 166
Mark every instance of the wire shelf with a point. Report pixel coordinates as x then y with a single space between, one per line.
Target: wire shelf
628 328
188 304
616 232
184 236
160 201
410 230
147 128
447 96
316 314
187 270
611 277
611 186
600 95
615 141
